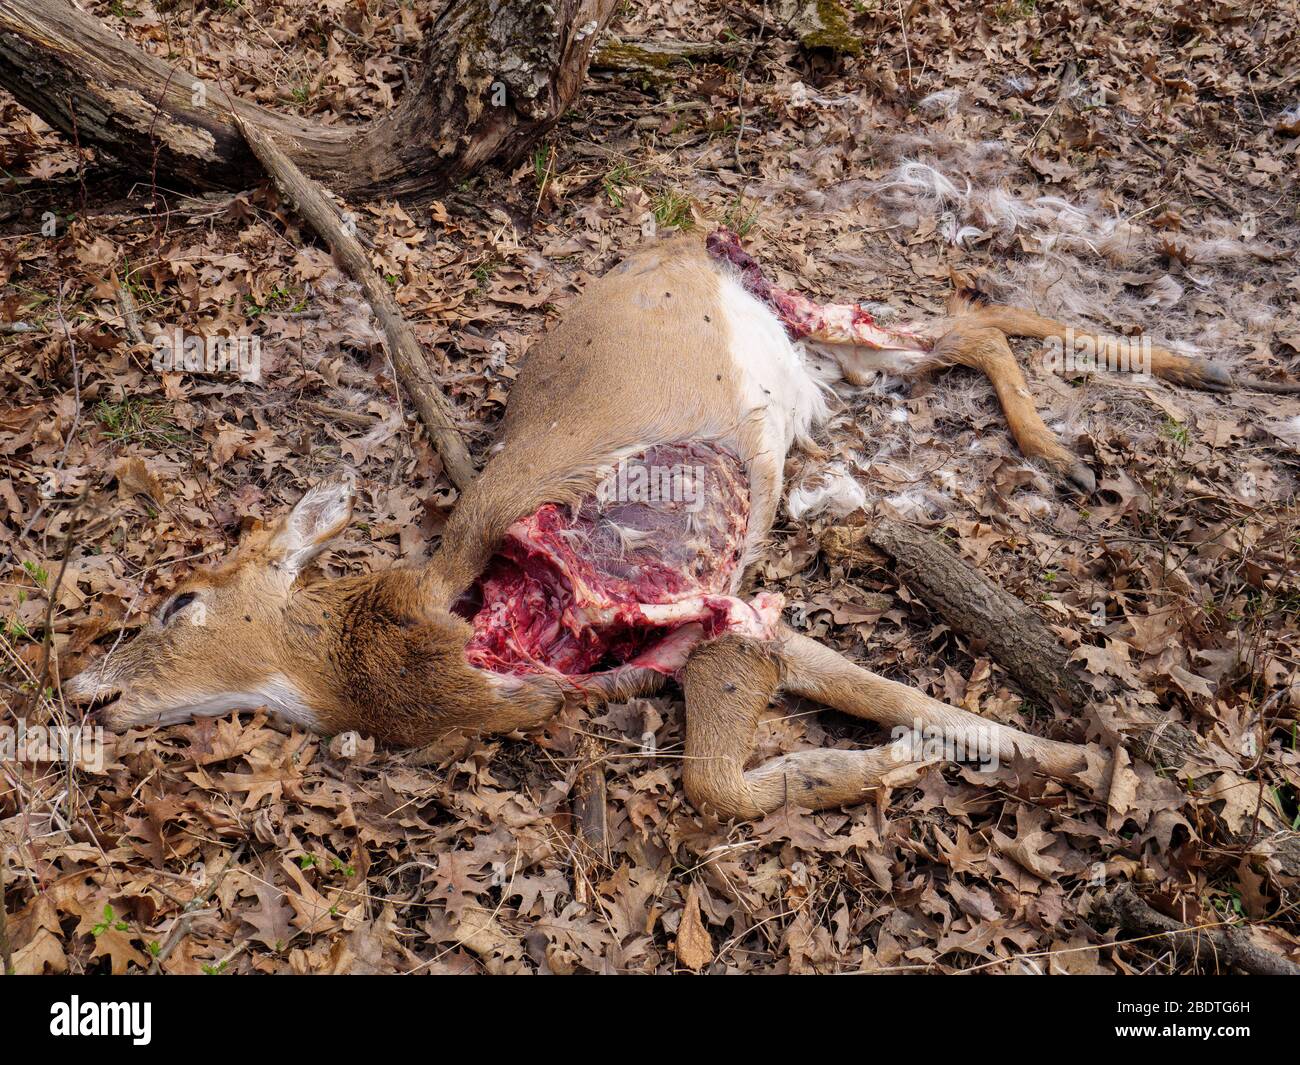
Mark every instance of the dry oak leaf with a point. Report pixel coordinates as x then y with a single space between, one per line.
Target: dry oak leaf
111 935
694 948
135 478
1243 801
1031 840
272 921
1123 790
34 932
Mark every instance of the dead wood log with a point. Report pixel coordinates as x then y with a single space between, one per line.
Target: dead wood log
495 76
654 57
413 371
987 614
590 804
1224 946
591 797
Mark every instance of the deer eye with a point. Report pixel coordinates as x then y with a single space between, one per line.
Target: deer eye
176 605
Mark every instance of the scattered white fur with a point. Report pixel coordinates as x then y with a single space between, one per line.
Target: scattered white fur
1286 430
944 102
1259 319
1165 292
800 95
830 489
1036 505
924 183
1217 250
917 504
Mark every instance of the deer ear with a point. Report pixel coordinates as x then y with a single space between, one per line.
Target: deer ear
316 518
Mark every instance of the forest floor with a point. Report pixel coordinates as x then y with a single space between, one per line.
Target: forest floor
1129 165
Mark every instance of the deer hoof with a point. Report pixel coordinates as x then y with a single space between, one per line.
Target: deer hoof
1082 478
1203 374
1215 378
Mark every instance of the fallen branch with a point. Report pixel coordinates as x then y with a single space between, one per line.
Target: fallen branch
130 315
1014 635
983 611
590 798
1222 946
308 198
654 57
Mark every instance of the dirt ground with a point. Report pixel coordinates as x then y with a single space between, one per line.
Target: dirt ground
1126 165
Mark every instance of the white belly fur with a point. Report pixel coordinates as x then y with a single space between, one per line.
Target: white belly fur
782 399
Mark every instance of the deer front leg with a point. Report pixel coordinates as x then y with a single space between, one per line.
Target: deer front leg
522 704
985 348
815 671
729 683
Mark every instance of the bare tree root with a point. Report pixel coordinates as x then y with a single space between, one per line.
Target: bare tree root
495 76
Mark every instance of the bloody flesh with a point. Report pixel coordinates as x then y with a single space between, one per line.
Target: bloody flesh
804 318
650 554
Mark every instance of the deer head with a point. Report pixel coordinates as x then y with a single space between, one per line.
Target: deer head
375 652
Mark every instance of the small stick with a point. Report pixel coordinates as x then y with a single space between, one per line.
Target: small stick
347 417
6 951
126 302
436 411
182 926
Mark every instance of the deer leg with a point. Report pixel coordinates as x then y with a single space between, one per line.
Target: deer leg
965 342
521 704
1110 352
985 348
729 683
815 671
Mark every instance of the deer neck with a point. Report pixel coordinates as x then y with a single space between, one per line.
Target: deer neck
505 491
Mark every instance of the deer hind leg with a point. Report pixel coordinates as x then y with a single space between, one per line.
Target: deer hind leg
985 348
729 683
965 341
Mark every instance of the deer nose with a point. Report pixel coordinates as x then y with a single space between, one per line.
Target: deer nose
95 695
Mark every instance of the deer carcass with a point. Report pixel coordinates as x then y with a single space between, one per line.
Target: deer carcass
599 553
